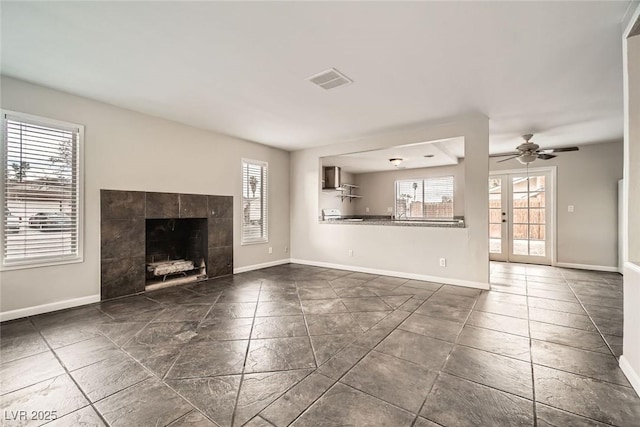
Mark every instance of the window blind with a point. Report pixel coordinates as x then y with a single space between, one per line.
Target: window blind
425 198
254 202
41 192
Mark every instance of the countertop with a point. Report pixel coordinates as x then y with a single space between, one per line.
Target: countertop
457 222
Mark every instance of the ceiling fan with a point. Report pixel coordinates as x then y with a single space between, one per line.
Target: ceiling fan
530 151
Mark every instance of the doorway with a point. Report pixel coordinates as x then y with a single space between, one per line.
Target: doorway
520 216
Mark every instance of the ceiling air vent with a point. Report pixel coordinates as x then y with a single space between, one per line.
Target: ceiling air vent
330 79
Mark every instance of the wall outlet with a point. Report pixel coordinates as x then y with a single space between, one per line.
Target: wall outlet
286 250
366 210
389 209
350 252
270 250
443 262
570 208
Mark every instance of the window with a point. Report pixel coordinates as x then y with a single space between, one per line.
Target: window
429 198
41 191
254 202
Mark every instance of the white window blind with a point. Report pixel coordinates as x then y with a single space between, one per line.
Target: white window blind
41 191
254 202
428 198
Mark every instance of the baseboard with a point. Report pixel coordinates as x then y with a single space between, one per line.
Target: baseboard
630 373
259 266
46 308
414 276
613 269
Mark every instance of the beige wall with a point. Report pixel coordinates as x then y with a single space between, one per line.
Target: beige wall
406 251
378 188
125 150
588 180
634 149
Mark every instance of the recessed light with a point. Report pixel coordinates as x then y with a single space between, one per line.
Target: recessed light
429 155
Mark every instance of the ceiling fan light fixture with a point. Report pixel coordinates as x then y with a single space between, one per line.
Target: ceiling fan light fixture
526 158
396 161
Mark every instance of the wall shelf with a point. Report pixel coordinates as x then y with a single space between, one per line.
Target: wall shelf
347 192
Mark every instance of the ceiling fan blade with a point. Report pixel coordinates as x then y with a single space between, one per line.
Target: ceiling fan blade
503 155
509 158
545 156
563 149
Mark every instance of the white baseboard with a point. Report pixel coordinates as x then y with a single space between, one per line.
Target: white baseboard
630 373
613 269
414 276
259 266
46 308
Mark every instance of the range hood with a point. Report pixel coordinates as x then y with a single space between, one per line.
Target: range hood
332 178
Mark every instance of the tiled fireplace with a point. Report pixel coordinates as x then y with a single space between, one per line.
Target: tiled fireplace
140 228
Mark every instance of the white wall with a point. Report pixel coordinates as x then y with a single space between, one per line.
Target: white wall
588 180
125 150
378 188
401 250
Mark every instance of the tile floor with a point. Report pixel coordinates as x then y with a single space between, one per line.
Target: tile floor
311 346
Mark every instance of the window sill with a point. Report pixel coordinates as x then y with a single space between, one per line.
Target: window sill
43 263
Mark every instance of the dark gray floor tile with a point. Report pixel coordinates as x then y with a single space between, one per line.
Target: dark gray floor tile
132 309
453 300
394 319
224 328
337 323
259 390
61 335
291 404
109 376
590 364
28 371
325 292
496 342
443 311
58 395
157 359
279 308
193 419
551 304
427 352
421 284
344 360
457 402
501 297
585 340
562 295
354 292
602 301
149 403
395 301
561 318
365 304
120 332
460 290
323 306
85 417
232 310
362 276
279 327
411 305
86 352
397 381
388 281
604 312
215 397
434 327
369 319
234 295
504 308
498 322
183 313
279 354
372 337
279 295
20 339
204 359
609 326
606 402
326 346
493 370
615 343
508 289
343 405
423 422
166 333
417 293
258 421
551 417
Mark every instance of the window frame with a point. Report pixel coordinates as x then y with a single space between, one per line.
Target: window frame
264 199
424 188
49 260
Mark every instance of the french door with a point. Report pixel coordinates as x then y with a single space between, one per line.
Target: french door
520 228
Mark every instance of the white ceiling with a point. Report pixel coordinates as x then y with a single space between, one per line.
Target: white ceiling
550 68
444 152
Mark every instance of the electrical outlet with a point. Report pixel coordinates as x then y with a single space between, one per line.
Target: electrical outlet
286 250
350 252
389 209
366 210
270 250
443 262
570 208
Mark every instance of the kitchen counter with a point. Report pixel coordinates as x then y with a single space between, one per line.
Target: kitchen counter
457 222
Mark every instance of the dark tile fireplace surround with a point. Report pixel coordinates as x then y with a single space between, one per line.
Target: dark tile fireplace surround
126 217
